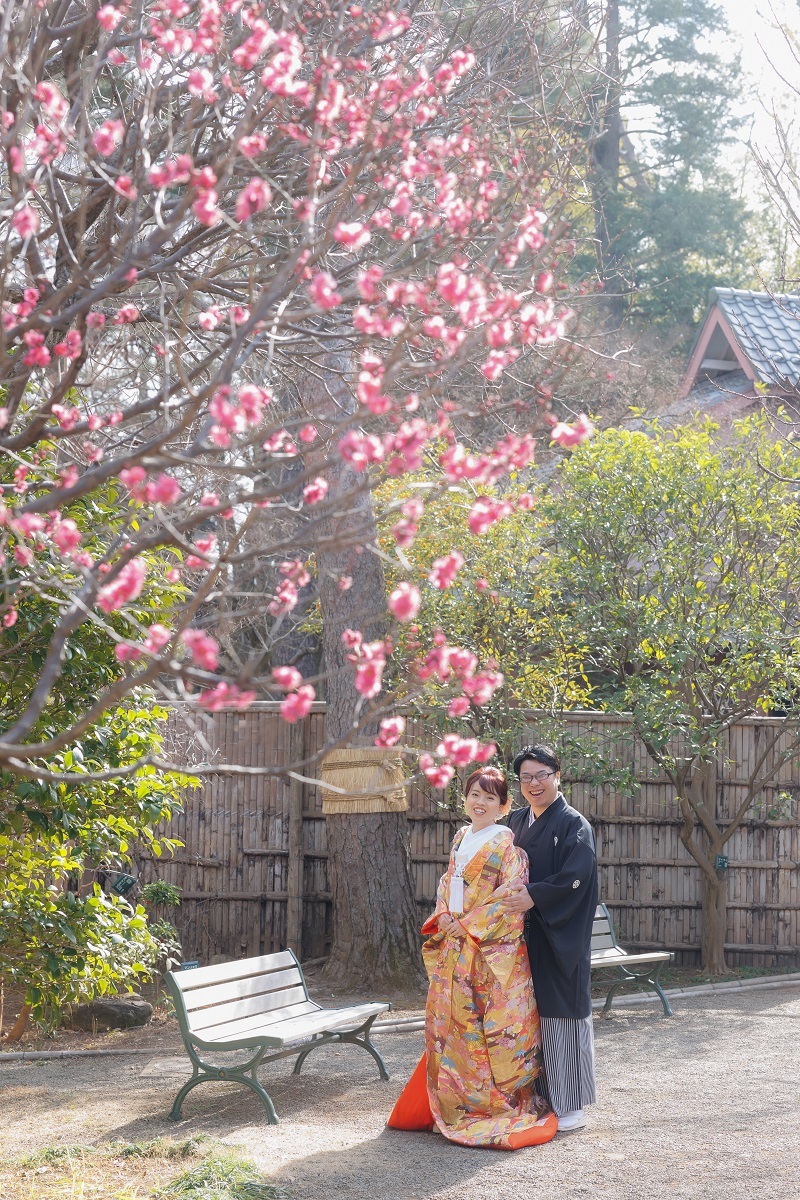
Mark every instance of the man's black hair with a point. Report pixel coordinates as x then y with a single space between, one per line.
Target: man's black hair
538 753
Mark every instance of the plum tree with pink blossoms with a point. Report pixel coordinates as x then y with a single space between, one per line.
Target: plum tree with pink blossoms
254 257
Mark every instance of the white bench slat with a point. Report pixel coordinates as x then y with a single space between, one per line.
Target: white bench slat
254 985
262 1006
238 969
298 1029
646 956
602 942
263 1024
610 954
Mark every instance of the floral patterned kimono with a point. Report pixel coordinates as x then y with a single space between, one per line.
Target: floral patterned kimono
483 1046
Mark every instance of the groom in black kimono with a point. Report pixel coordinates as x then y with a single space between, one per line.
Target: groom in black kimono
559 903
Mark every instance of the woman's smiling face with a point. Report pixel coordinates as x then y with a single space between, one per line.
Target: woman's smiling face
482 808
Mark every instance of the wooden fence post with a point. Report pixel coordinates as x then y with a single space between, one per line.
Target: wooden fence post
294 899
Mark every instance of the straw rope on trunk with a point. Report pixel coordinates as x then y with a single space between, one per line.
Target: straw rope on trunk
368 779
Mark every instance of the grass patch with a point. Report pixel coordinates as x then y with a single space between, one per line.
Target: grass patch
222 1179
147 1170
55 1155
164 1148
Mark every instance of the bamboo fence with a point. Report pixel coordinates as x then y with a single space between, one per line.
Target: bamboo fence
253 867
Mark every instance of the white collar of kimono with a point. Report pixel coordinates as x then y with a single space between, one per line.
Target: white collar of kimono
475 840
532 814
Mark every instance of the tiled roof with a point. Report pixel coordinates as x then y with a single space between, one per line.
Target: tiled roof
767 329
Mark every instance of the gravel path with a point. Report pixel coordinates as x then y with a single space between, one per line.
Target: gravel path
704 1105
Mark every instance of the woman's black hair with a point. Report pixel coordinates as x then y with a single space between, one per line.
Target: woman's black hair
539 753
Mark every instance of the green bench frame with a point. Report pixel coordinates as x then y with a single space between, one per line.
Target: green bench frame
608 955
256 1005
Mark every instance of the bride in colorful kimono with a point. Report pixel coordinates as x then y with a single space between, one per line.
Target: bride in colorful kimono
475 1082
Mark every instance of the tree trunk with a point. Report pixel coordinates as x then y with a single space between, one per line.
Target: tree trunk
697 796
375 923
715 922
606 199
20 1025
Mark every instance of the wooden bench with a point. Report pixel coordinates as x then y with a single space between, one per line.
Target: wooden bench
252 1006
608 955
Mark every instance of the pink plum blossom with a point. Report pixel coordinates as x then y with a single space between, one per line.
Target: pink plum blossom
26 221
157 638
481 687
124 187
485 512
439 775
108 137
391 730
51 100
124 652
458 706
133 479
225 695
462 662
28 524
126 586
405 601
315 491
444 570
360 449
206 209
285 598
206 546
211 318
126 315
353 234
203 648
297 704
66 535
463 751
38 355
287 678
572 435
109 17
252 199
71 347
322 290
164 490
252 145
200 82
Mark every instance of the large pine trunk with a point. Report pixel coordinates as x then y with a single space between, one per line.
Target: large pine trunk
375 925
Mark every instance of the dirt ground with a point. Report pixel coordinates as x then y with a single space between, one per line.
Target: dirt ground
703 1106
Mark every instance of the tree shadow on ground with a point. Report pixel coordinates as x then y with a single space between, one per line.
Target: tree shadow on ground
392 1166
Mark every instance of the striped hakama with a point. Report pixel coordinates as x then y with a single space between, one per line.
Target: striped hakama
568 1051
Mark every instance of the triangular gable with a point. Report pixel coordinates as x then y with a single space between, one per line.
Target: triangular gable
716 352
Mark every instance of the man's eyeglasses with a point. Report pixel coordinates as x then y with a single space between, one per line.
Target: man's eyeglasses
539 777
